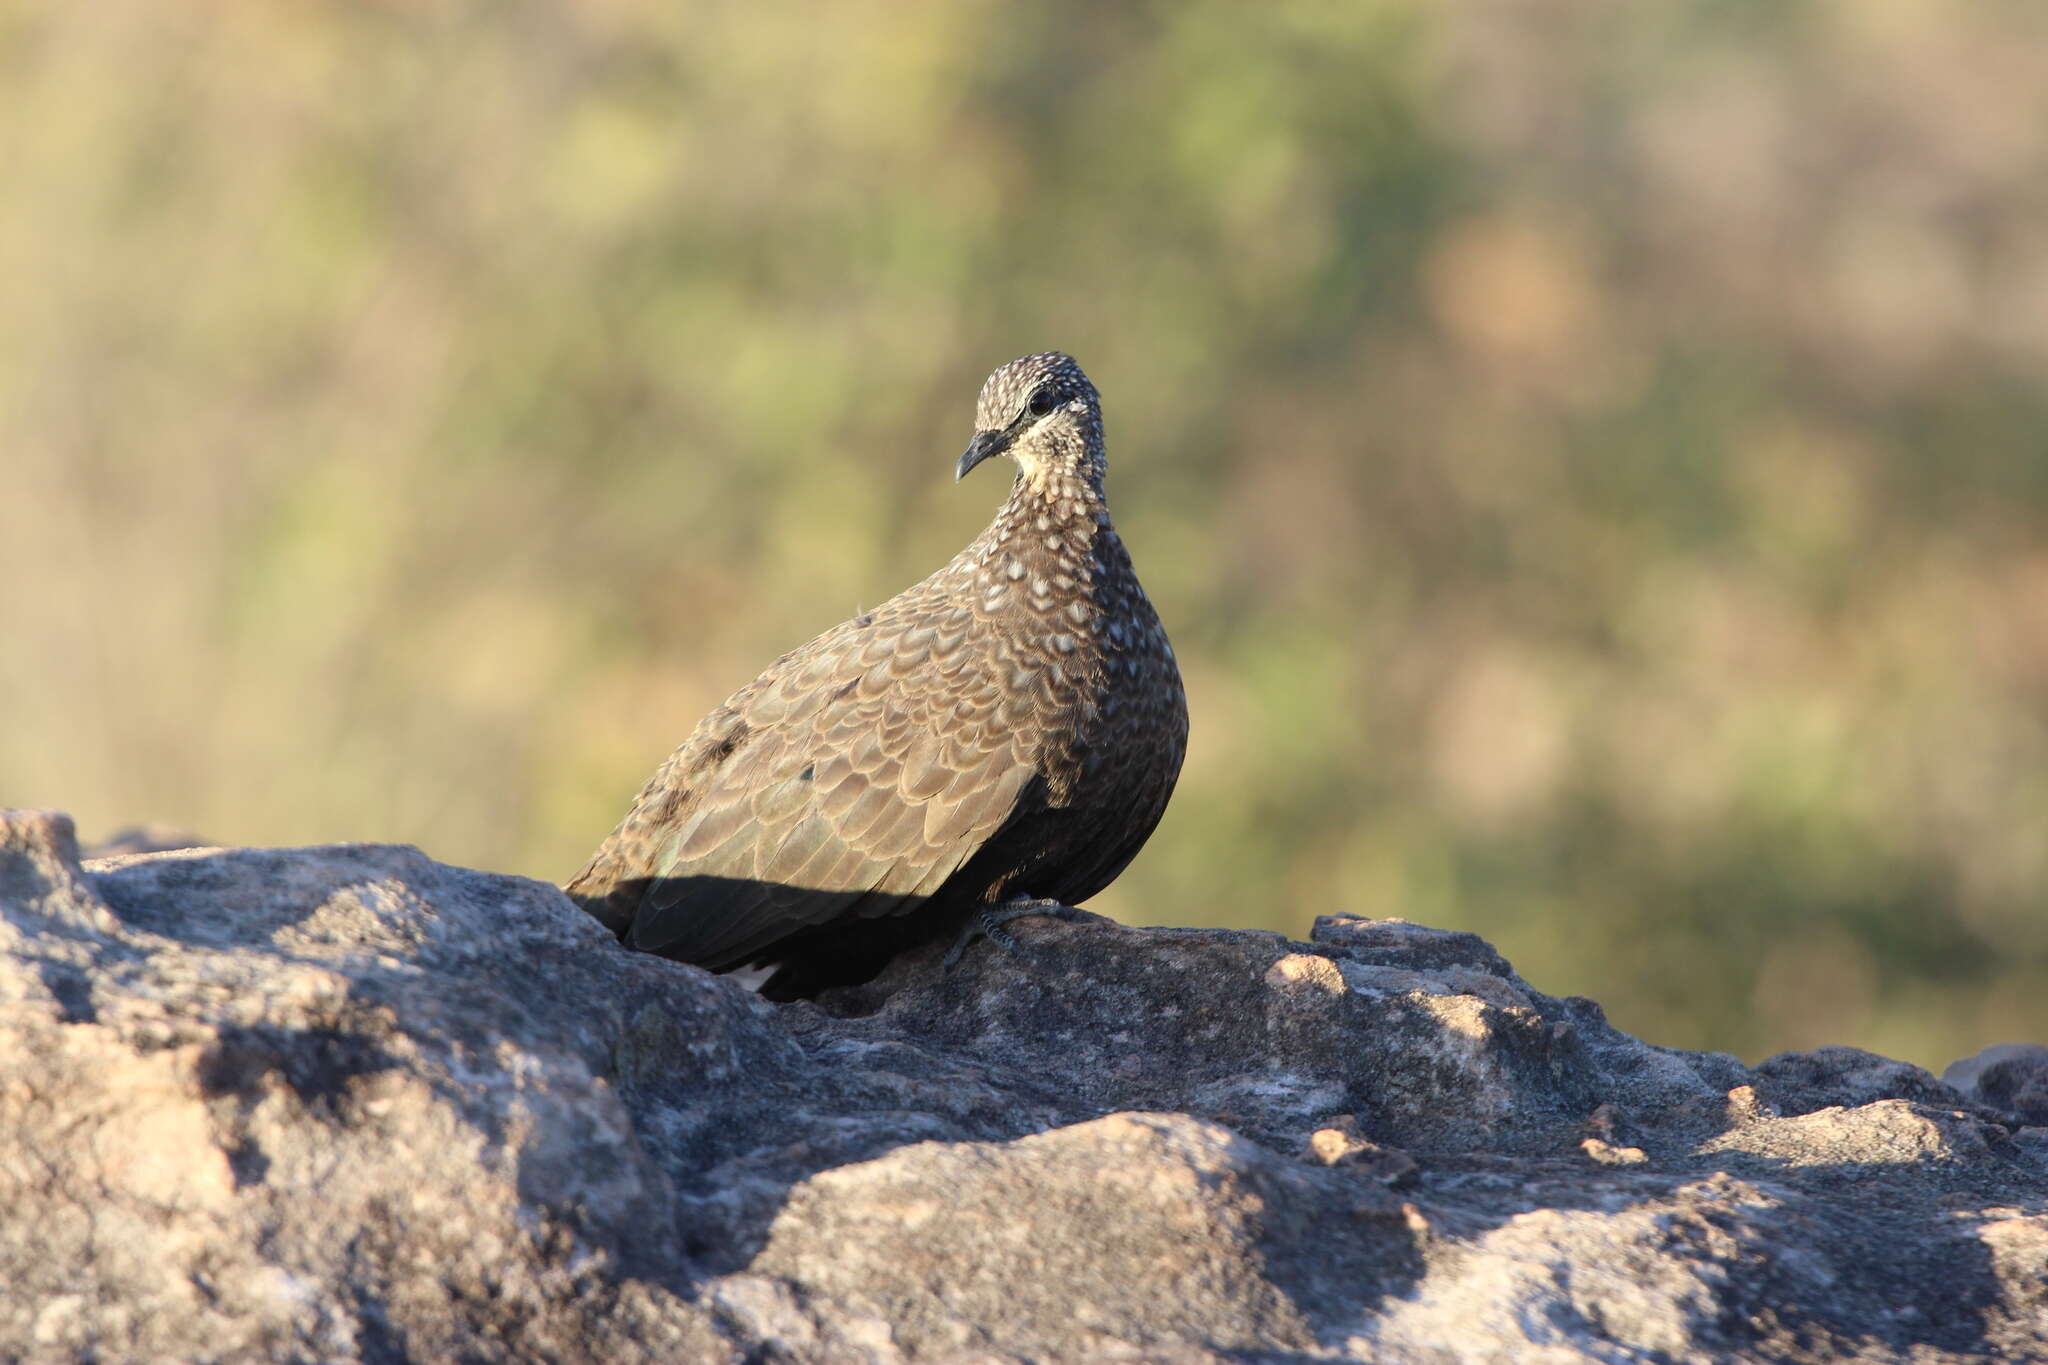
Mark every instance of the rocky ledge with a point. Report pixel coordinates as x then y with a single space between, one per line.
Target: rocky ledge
348 1103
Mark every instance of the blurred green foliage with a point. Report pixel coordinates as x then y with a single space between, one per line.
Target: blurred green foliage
1592 458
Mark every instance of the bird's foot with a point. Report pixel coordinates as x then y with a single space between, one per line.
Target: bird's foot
989 923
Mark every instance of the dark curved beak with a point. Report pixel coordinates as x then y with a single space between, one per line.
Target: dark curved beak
985 444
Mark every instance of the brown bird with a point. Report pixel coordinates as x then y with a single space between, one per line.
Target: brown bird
997 741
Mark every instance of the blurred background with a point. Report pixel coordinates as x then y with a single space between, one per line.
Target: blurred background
1592 458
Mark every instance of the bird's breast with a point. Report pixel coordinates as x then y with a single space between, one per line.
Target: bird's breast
1080 672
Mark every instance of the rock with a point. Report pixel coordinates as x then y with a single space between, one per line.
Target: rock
2010 1076
150 838
347 1103
1342 1144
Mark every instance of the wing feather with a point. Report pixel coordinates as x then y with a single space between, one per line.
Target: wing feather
864 775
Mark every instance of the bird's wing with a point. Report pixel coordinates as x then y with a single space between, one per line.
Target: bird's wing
854 777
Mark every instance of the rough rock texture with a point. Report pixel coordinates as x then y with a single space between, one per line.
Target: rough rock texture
2012 1077
348 1103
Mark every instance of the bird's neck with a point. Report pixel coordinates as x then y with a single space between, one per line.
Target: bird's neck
1066 497
1050 532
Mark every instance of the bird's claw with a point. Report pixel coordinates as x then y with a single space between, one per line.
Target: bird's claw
989 923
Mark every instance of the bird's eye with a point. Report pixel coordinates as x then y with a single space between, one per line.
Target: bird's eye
1042 402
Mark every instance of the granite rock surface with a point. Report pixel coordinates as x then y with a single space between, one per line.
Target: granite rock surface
348 1103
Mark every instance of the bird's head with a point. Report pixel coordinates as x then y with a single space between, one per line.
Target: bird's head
1042 412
